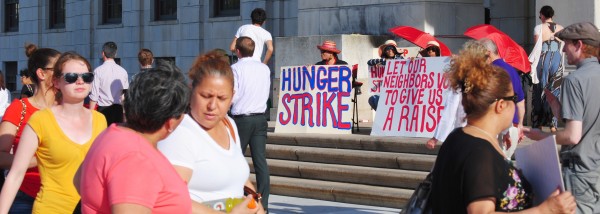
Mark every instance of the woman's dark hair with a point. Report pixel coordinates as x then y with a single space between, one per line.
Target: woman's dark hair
258 16
24 73
480 82
155 96
384 55
110 49
209 64
547 11
60 64
2 83
38 59
435 49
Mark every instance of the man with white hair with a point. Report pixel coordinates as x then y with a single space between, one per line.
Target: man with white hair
495 59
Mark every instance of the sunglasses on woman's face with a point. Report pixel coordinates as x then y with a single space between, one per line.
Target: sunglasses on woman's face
87 77
509 98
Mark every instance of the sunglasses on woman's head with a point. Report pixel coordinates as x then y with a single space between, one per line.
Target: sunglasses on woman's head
87 77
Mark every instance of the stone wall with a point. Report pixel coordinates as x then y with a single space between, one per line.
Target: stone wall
195 31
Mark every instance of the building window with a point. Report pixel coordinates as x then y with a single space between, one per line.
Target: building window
111 11
165 10
487 17
11 15
226 8
57 13
10 75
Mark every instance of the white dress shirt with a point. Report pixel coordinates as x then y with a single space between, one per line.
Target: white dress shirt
251 87
109 81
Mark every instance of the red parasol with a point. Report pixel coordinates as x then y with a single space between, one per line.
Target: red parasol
509 50
419 38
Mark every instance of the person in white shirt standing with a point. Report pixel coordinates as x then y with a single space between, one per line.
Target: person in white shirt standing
259 35
110 80
251 91
4 96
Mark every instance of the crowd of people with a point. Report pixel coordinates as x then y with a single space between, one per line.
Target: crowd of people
150 144
473 172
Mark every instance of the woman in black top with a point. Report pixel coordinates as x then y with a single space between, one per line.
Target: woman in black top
471 174
28 86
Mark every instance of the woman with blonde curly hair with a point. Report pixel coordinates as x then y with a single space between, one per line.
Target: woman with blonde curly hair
471 173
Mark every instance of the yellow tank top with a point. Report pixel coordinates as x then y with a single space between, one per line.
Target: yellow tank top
58 159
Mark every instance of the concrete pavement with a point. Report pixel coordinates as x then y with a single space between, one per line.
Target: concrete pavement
285 205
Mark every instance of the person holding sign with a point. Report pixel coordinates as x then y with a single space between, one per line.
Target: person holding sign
471 173
329 54
387 51
432 50
578 108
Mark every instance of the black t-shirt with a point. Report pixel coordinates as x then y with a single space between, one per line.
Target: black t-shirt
28 90
337 62
469 168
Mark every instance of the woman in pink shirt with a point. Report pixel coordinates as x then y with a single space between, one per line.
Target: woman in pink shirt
124 172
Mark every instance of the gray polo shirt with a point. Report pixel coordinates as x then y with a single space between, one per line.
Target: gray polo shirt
580 100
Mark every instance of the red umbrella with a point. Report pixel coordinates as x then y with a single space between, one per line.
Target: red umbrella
509 50
419 38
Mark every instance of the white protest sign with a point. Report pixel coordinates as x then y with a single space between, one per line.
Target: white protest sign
376 77
315 99
412 97
540 166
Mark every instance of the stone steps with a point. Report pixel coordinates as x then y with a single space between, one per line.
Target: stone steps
354 142
339 191
394 178
390 160
359 169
